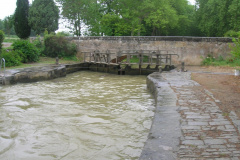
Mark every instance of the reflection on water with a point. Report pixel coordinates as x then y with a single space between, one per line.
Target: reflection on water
86 115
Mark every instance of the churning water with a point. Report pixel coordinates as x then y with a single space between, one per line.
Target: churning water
86 116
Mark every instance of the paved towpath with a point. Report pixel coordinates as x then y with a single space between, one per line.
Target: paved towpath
207 132
198 130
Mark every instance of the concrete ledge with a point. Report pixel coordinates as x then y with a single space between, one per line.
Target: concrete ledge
163 139
27 75
34 74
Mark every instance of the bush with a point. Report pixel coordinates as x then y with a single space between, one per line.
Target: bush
1 38
29 52
235 50
208 60
12 58
38 43
232 33
58 46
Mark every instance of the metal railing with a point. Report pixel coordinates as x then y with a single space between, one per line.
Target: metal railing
160 57
2 64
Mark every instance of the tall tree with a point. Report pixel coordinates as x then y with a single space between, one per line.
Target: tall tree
43 14
21 26
75 12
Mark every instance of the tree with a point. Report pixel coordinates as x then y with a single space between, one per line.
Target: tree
21 26
43 14
1 25
129 17
2 36
234 12
216 17
74 11
8 24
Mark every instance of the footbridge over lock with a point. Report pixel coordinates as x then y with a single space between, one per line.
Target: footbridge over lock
129 61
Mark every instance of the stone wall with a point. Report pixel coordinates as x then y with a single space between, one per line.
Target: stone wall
189 49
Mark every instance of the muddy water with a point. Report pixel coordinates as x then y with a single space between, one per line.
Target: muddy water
87 115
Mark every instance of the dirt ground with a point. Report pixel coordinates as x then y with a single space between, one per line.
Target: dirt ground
224 86
5 44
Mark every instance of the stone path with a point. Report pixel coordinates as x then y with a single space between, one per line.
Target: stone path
207 132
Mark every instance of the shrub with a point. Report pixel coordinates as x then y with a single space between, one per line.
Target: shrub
12 58
29 52
1 38
63 33
38 43
58 46
208 60
235 50
231 33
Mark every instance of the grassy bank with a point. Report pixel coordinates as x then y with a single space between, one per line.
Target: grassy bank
10 39
44 61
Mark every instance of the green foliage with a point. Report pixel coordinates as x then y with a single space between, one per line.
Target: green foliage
216 17
235 50
58 46
29 52
210 60
43 14
232 33
63 33
12 58
38 43
2 36
129 18
8 24
21 26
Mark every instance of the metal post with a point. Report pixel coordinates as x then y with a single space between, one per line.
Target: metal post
182 66
57 61
160 59
157 60
4 70
84 59
91 54
170 59
128 58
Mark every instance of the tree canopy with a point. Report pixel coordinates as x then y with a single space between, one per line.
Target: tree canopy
216 17
43 14
130 17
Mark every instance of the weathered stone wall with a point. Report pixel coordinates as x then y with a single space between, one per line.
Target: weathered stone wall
189 49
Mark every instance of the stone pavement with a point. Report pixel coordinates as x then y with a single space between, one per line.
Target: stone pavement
207 132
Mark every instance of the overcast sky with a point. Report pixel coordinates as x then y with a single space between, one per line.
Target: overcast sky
7 7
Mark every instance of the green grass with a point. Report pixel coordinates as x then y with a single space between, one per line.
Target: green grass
44 61
10 39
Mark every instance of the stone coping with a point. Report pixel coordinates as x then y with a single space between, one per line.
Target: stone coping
156 38
33 74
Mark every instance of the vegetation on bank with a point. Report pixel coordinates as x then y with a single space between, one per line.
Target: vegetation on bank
24 52
232 60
